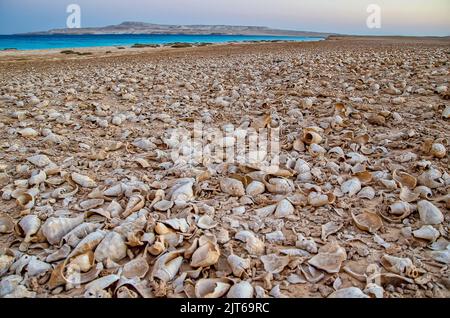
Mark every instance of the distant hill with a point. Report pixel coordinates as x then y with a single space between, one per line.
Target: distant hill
150 28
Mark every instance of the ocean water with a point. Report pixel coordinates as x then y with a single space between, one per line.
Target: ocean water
59 41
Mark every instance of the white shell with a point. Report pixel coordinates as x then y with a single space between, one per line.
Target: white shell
255 188
284 208
232 187
429 213
83 180
112 247
351 187
427 232
350 292
242 289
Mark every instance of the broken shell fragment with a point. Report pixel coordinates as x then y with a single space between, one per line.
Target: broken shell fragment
30 225
329 258
273 263
232 187
206 255
438 150
238 264
350 292
427 232
368 221
429 213
167 266
212 287
206 222
351 187
6 223
242 289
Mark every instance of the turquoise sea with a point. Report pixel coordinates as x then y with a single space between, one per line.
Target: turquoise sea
58 41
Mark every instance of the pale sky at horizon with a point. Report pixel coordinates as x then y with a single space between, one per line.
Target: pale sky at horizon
398 17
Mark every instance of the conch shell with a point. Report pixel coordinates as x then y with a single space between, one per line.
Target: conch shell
206 255
352 187
54 229
135 203
329 258
111 247
83 180
30 225
399 265
167 265
310 135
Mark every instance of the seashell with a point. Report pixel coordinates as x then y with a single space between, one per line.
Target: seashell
253 245
273 263
438 150
182 191
163 205
158 247
137 267
212 287
265 211
255 188
206 255
427 232
364 176
37 178
6 223
306 244
20 292
30 225
135 203
83 181
79 232
28 132
7 258
114 209
399 265
405 179
284 208
431 178
278 185
442 256
64 192
39 161
400 208
423 192
167 266
368 221
318 199
115 190
232 187
238 264
59 254
351 187
311 274
82 262
407 196
446 112
310 136
206 222
330 228
389 184
125 292
25 200
316 150
429 213
100 284
242 289
36 267
350 292
54 229
177 224
112 246
90 204
330 258
88 243
366 193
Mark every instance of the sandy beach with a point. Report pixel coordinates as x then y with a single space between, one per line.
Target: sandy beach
95 204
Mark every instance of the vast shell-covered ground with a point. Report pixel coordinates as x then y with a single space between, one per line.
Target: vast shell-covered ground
94 204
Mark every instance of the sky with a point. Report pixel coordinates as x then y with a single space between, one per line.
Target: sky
398 17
